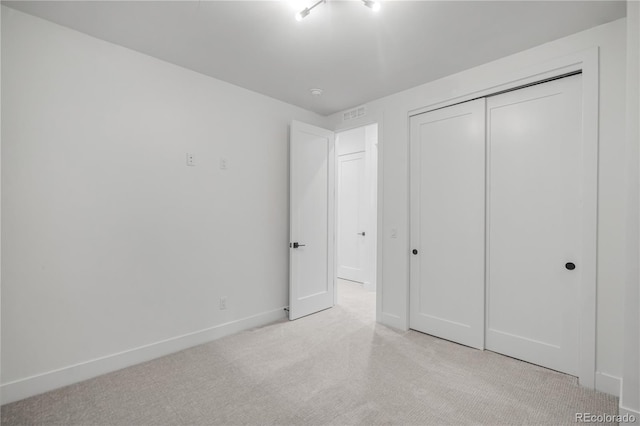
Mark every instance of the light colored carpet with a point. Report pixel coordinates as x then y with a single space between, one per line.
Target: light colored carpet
335 367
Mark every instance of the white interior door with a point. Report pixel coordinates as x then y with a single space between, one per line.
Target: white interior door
351 221
312 217
534 223
447 223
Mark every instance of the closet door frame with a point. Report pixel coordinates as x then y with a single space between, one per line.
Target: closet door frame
585 62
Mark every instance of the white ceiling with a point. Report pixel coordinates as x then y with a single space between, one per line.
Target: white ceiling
354 54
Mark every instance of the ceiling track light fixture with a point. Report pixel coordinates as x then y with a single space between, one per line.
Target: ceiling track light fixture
372 4
304 12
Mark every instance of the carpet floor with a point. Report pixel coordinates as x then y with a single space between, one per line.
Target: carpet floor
336 367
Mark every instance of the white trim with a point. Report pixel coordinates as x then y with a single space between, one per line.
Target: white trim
372 204
540 72
627 412
608 384
380 235
407 311
34 385
393 321
587 62
590 132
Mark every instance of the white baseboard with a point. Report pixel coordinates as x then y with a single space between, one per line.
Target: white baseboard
393 321
34 385
627 413
608 384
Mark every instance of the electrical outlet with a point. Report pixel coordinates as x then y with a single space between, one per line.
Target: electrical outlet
223 303
191 161
223 163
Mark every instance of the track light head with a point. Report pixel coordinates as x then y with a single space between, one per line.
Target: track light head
372 4
302 14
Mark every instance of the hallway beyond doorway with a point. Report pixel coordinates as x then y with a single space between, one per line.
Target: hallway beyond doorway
355 299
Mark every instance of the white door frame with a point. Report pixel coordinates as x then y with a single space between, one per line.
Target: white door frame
377 268
587 63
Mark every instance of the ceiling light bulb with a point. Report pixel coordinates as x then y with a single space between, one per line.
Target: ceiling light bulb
300 15
316 92
372 4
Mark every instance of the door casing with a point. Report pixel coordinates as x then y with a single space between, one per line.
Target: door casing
373 159
365 142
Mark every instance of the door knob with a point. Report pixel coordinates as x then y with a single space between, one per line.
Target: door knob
361 233
414 251
570 266
296 245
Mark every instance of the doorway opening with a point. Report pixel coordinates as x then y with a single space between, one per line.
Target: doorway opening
356 219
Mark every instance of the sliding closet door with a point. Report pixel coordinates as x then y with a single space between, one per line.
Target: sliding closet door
535 194
447 223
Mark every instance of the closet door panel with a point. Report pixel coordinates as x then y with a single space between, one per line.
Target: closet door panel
534 227
447 223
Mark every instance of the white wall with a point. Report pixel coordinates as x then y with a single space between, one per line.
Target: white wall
110 242
630 397
392 114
